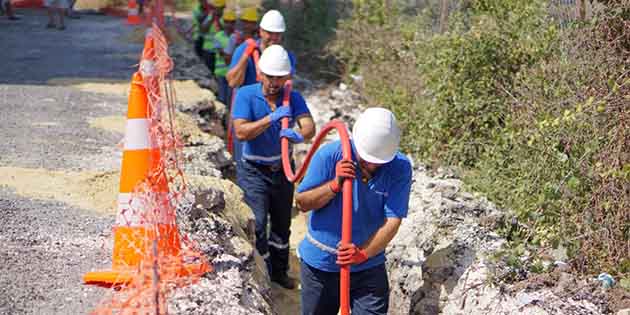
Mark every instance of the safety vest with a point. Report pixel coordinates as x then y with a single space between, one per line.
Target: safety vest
197 12
208 38
220 66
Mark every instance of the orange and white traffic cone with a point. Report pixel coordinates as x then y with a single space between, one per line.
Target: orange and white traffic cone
145 218
133 17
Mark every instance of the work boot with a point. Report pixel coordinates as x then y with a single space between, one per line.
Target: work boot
284 281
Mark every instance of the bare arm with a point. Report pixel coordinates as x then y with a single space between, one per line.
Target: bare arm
307 126
320 196
382 237
227 57
315 198
236 75
246 130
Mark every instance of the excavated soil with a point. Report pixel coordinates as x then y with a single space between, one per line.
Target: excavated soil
85 190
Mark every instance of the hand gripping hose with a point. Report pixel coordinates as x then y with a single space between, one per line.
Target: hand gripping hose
230 136
346 227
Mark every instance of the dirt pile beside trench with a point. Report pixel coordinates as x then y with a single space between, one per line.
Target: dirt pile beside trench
85 190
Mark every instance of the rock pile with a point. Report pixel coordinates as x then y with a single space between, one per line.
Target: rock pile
222 227
441 260
212 213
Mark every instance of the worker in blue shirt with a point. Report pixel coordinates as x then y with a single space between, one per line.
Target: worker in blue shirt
242 67
257 118
381 185
243 70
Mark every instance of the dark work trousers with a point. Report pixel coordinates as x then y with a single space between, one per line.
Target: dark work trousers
369 291
225 91
199 46
209 57
268 192
237 146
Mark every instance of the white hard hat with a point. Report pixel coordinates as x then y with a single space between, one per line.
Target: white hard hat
275 61
376 135
273 21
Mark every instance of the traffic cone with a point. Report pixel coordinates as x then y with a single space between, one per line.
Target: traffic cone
148 68
132 13
146 219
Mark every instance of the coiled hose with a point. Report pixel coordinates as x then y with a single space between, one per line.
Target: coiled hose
346 223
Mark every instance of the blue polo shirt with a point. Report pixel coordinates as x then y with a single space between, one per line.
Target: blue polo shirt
250 104
250 72
386 195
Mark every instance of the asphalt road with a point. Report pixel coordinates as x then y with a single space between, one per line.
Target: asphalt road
46 245
89 47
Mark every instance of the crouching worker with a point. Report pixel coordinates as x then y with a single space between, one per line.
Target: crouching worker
257 118
381 186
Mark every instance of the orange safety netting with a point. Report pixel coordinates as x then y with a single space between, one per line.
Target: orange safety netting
150 258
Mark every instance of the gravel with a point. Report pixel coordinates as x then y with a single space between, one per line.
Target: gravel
47 246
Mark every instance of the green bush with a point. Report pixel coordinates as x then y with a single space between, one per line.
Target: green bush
310 26
185 5
537 118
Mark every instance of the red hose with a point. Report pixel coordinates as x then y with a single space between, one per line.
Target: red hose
256 56
346 219
230 137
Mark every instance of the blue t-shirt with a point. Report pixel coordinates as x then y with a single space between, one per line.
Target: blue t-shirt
250 72
250 104
386 195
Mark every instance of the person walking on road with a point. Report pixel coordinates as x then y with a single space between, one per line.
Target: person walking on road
257 114
7 8
381 186
56 8
72 13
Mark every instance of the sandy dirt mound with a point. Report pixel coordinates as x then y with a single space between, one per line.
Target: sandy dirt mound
111 88
184 124
105 86
189 92
109 123
85 190
186 92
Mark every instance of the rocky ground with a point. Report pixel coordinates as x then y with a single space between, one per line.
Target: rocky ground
442 261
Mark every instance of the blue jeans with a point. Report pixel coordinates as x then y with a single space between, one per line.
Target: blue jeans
369 291
270 195
237 146
237 149
225 91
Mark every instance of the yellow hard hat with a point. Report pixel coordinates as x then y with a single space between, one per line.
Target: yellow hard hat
249 14
229 15
218 3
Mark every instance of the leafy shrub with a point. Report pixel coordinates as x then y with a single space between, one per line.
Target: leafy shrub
537 117
310 26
